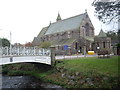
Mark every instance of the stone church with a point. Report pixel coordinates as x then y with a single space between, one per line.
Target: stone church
77 33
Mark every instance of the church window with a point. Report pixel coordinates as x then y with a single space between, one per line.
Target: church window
97 44
109 44
72 33
58 36
103 44
76 45
68 34
87 29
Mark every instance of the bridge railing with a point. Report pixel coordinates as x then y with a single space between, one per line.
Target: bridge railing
20 51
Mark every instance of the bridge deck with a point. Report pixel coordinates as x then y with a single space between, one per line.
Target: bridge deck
36 59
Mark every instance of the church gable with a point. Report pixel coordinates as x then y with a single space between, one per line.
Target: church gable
87 26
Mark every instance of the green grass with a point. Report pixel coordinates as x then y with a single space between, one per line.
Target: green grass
105 66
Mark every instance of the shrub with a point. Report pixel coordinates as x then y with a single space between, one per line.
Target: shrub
45 44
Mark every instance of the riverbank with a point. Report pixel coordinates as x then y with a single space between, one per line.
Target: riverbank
89 72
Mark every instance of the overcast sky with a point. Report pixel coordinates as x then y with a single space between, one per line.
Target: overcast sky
25 18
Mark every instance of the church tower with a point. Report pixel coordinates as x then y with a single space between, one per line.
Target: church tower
58 17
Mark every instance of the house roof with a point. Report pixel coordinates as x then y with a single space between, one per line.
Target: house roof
102 34
66 24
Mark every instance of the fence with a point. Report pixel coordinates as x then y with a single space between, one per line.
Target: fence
17 51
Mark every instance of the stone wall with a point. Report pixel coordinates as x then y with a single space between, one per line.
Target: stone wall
102 42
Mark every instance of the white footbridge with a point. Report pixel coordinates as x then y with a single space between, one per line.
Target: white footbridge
26 54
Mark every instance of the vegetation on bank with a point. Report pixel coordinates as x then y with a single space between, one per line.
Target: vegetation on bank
90 72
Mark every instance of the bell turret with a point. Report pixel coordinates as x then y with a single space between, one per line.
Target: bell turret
58 17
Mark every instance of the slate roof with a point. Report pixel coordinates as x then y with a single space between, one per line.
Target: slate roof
65 25
35 41
89 38
102 34
67 41
42 32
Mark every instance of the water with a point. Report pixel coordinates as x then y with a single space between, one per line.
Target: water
25 82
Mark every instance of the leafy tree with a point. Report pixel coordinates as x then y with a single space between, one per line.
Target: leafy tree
112 34
118 34
118 45
107 10
4 42
45 44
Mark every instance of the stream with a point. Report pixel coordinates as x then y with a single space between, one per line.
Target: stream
25 82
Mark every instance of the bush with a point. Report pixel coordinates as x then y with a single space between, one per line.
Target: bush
15 73
5 71
104 51
45 44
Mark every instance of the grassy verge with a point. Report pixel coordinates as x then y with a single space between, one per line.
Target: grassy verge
106 66
89 72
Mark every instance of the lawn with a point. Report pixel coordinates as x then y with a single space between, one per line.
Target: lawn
105 66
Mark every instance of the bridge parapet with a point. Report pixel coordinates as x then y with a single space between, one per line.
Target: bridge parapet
25 51
27 54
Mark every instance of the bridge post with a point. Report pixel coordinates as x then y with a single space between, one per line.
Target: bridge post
34 50
18 51
7 51
24 50
52 55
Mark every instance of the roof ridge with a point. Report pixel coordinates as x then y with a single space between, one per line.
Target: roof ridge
43 30
65 24
69 18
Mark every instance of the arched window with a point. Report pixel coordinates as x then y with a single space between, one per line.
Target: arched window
87 29
76 45
103 44
97 44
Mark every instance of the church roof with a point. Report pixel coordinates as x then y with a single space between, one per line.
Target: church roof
42 32
67 41
35 41
66 24
102 34
89 38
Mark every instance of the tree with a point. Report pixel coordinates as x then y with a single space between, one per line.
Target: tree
112 34
45 44
118 33
107 10
4 42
